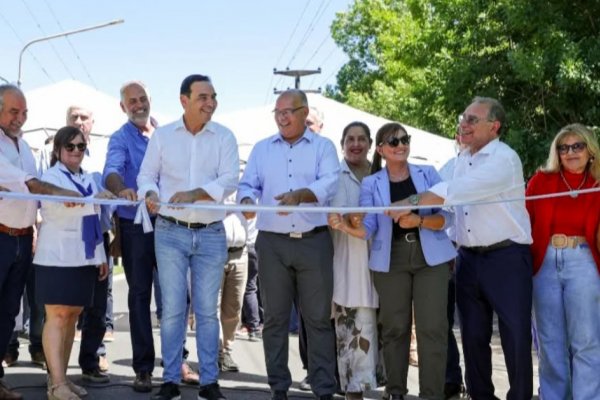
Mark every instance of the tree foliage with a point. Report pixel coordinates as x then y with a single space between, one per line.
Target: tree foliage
422 62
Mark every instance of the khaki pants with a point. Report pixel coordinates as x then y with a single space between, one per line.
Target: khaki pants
231 297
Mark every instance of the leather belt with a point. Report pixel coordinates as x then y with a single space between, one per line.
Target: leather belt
301 235
185 224
409 237
491 247
561 241
235 249
16 231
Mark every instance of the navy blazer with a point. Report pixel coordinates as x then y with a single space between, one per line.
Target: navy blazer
375 192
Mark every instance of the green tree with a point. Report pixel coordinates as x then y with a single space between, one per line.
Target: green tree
422 62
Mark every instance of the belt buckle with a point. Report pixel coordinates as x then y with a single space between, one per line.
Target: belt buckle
410 235
559 241
296 235
11 232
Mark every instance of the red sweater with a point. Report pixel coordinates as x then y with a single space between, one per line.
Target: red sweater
556 215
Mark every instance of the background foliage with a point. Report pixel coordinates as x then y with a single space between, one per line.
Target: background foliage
421 62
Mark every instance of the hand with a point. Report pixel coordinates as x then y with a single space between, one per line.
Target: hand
183 197
105 195
102 271
409 221
396 214
152 202
248 214
3 189
70 193
355 219
336 221
288 199
128 194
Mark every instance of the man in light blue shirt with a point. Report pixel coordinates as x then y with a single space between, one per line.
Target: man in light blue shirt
295 251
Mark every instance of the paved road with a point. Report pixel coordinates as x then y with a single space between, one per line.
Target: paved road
249 384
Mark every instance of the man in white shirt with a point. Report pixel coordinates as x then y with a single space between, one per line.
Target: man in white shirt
494 266
18 173
190 160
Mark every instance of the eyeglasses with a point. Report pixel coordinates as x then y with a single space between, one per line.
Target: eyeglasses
286 112
70 147
470 119
394 141
578 147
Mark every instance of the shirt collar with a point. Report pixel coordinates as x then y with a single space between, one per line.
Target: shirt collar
208 127
307 135
133 128
487 149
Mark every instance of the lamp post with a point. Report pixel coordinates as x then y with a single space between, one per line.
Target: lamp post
42 39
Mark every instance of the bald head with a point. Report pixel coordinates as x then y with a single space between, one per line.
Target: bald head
135 102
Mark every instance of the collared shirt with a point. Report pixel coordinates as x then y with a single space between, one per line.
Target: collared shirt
17 166
177 160
494 173
352 283
125 153
276 166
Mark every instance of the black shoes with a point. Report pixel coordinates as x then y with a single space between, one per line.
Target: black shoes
211 392
304 384
168 391
95 376
142 382
453 389
279 395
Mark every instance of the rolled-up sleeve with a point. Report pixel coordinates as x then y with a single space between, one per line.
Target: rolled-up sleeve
228 171
147 179
13 176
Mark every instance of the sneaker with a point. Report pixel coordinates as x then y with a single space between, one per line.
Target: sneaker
7 394
167 391
226 364
95 376
304 384
109 337
255 336
211 392
103 363
9 360
143 383
188 375
77 337
38 358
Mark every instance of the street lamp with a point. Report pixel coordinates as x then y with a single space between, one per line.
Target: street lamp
42 39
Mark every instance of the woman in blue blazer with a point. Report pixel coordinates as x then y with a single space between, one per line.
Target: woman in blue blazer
409 264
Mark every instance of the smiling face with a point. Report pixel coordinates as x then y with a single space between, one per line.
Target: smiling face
201 103
14 112
71 154
356 146
576 157
290 116
135 102
394 154
475 128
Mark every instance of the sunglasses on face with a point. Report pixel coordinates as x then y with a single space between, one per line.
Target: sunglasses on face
576 147
394 141
70 147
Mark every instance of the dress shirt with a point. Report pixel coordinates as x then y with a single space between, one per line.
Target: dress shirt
60 241
352 283
125 153
177 160
17 166
276 166
494 173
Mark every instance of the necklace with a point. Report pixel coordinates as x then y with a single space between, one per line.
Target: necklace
569 186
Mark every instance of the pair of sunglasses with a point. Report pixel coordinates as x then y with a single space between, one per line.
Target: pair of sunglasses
394 141
70 147
576 147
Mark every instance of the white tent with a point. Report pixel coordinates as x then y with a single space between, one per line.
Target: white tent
254 124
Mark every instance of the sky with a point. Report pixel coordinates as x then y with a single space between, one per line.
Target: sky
235 42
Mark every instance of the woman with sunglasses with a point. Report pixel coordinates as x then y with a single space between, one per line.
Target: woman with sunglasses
409 261
566 266
69 256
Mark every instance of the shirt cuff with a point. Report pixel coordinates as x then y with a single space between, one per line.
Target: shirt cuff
214 190
440 190
142 190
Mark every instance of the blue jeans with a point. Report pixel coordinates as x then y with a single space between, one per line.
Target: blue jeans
204 252
566 294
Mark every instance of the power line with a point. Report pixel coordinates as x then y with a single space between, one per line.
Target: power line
319 13
29 51
87 72
54 50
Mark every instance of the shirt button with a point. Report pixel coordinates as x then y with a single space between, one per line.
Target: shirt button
468 230
290 175
290 160
466 213
470 164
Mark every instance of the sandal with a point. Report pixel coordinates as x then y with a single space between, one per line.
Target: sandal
61 392
78 390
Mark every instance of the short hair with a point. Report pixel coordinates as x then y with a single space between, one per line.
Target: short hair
9 87
76 107
132 83
297 93
353 125
63 136
496 111
318 113
584 134
186 85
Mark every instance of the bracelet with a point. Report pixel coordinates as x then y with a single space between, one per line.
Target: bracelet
421 220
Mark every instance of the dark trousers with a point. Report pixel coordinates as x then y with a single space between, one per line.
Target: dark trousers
500 281
15 264
303 266
139 262
453 371
93 323
251 308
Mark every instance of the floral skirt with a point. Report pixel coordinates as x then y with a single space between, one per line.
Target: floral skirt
357 348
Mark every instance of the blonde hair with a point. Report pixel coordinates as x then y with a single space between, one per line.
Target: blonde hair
585 135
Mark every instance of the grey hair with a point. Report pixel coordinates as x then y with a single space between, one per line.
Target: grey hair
496 111
8 88
132 83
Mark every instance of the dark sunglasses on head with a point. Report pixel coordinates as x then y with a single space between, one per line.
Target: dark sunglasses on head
576 147
394 141
71 147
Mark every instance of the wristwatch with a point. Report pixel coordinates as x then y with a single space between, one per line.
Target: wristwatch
413 199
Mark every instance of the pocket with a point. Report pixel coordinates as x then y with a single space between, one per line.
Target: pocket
376 245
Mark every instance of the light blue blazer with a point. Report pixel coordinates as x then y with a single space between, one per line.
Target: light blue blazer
375 191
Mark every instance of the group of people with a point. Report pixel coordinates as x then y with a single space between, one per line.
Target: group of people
470 238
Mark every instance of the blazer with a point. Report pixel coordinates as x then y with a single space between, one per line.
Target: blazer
375 191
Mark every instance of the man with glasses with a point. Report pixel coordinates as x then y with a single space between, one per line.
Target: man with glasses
295 251
494 266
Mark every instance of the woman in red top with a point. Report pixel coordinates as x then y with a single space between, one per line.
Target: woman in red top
566 285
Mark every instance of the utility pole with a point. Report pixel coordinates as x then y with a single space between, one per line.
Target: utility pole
297 73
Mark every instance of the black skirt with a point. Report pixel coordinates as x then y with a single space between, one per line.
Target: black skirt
66 286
